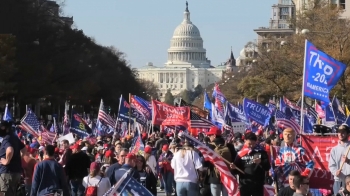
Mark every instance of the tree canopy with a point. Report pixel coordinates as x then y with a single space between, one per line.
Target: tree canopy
53 60
278 69
169 98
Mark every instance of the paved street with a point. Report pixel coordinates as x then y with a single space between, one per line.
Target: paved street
160 193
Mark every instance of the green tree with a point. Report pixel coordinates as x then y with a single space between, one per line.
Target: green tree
7 66
56 61
151 89
169 98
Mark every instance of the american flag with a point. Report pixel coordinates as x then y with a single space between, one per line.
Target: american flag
226 177
47 136
128 186
218 94
30 123
310 110
103 116
284 121
194 108
199 122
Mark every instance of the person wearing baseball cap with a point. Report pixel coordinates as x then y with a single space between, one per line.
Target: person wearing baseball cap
77 168
338 155
95 180
129 166
228 153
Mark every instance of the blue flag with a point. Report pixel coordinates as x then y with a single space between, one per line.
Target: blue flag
7 114
321 72
236 114
256 112
79 126
207 102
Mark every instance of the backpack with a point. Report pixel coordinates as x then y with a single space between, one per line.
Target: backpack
225 153
91 190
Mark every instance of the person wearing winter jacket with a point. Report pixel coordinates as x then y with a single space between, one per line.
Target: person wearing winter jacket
254 162
214 179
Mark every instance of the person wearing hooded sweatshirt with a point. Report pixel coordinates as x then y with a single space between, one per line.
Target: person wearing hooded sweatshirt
216 186
337 156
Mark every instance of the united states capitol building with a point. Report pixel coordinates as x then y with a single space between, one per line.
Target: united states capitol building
187 65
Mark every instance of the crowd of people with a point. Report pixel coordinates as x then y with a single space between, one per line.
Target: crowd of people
168 162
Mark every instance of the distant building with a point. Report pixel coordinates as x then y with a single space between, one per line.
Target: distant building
279 26
301 5
187 65
247 56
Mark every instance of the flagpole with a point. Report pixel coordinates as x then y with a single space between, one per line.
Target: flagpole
129 126
116 122
303 92
335 118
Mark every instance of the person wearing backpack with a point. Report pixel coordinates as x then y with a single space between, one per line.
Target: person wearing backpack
226 151
94 184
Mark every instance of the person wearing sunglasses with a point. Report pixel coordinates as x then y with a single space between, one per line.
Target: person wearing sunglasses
147 177
301 184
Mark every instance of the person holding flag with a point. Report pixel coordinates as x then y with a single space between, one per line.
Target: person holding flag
338 156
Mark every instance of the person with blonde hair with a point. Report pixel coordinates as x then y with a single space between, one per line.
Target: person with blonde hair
186 162
94 183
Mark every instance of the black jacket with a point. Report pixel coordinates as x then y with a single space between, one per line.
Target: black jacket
77 166
253 173
212 175
149 181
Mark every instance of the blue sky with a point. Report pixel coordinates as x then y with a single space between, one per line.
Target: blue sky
142 29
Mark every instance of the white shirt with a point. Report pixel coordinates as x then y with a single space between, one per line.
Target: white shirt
152 163
185 167
102 187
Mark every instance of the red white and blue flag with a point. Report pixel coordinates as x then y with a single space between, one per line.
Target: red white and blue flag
227 179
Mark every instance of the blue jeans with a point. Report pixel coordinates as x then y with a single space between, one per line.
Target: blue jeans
187 189
168 179
336 187
216 190
77 188
161 182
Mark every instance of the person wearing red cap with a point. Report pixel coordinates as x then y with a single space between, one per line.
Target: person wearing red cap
129 166
150 159
227 151
94 182
166 170
76 169
108 161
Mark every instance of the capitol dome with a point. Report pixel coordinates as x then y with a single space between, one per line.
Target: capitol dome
186 45
187 29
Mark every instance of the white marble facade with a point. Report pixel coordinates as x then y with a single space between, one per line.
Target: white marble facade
187 65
